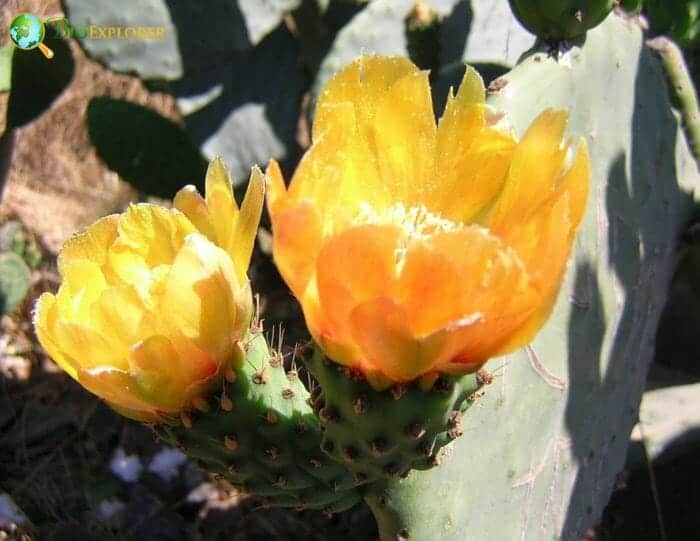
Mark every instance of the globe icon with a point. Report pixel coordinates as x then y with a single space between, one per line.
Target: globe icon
27 31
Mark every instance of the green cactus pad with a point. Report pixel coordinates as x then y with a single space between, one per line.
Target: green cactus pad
557 20
262 436
14 281
385 434
551 435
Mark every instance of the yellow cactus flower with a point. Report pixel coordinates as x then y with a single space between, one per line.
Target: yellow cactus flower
418 248
153 301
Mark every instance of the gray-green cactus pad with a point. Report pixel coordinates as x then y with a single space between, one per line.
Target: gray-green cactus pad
542 449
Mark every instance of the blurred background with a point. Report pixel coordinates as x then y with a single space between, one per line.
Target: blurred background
108 122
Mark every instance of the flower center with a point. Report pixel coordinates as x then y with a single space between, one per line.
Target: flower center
416 223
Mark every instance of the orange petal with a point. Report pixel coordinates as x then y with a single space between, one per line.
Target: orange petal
276 189
339 348
355 267
296 243
381 329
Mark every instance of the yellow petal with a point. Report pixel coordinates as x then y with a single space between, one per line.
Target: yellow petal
115 386
45 320
89 348
404 138
83 283
536 167
222 207
162 376
91 244
188 201
339 172
152 232
119 312
362 84
200 296
246 226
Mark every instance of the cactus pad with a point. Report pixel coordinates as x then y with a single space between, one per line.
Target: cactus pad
385 434
262 436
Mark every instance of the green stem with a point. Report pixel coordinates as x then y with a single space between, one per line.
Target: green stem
682 88
390 522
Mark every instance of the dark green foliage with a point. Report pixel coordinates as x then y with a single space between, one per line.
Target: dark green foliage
678 18
633 6
147 150
556 20
37 81
385 434
268 443
14 281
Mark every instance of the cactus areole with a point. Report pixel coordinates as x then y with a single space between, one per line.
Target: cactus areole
557 20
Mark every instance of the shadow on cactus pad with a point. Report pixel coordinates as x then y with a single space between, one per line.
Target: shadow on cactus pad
146 149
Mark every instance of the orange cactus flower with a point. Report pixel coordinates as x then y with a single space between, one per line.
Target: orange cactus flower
418 248
153 301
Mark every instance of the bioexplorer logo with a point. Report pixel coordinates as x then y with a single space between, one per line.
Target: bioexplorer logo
28 32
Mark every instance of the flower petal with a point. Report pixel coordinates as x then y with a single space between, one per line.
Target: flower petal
188 201
355 267
45 320
362 83
120 313
296 242
380 327
115 386
536 168
404 138
223 211
200 294
91 244
83 283
89 348
246 226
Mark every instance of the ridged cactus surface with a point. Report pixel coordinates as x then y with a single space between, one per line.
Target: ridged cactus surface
262 436
541 450
385 434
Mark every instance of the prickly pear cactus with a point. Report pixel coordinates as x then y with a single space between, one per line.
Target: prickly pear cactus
542 448
262 436
14 281
560 19
385 434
